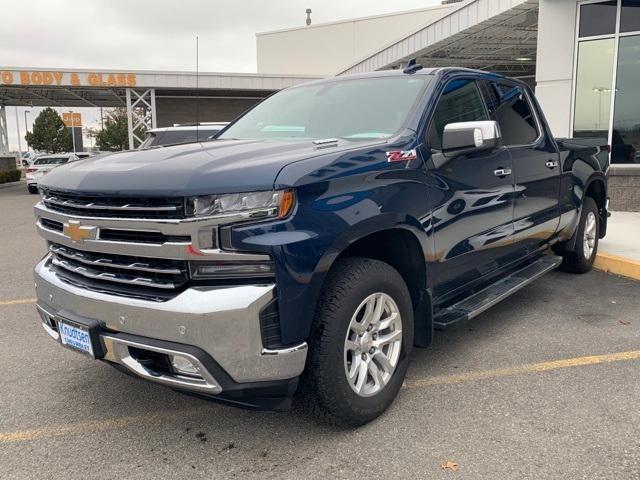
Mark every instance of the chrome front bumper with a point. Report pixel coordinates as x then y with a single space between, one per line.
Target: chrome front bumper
221 321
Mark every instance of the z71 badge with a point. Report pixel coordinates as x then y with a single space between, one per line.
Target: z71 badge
401 155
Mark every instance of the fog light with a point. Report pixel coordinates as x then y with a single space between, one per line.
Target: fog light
183 366
214 270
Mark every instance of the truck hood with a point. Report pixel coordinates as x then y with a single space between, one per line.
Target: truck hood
220 166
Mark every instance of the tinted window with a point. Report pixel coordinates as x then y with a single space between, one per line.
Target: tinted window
630 16
173 137
598 18
508 105
625 137
593 88
51 161
354 109
460 102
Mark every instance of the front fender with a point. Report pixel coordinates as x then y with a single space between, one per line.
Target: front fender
329 216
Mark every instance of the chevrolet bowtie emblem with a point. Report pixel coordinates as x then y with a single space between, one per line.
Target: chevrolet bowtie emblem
78 233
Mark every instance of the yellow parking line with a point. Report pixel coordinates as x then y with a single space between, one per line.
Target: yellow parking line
19 301
93 426
527 368
128 421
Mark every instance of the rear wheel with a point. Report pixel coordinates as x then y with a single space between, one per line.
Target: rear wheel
32 189
581 259
360 344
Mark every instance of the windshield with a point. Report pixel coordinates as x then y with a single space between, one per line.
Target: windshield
362 108
51 161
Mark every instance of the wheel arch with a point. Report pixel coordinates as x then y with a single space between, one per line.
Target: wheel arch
405 247
596 188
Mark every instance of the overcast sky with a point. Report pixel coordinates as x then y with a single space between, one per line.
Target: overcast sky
157 35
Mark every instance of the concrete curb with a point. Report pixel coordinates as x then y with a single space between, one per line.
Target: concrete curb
626 267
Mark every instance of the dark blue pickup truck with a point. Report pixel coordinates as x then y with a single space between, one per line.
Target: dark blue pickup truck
320 237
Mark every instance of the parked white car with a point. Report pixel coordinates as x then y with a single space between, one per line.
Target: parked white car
43 165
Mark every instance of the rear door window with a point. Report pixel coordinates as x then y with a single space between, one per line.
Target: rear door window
509 106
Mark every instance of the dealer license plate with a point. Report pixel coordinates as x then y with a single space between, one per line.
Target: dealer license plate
75 337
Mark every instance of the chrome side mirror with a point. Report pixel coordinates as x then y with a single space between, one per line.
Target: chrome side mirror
469 137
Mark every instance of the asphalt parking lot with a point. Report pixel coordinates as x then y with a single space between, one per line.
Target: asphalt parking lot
542 386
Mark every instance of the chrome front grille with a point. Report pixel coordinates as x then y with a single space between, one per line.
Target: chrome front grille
51 224
124 235
113 207
94 246
119 274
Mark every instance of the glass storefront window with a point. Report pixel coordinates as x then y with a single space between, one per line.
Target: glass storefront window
593 88
625 138
598 18
630 16
595 95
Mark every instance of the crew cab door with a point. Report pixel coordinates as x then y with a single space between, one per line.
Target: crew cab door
536 168
471 196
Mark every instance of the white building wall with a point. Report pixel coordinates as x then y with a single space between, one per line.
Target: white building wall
555 62
326 49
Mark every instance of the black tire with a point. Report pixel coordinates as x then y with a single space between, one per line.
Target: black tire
326 389
32 189
575 261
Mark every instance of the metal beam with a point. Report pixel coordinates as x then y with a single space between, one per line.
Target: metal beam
141 114
33 92
79 97
4 132
12 101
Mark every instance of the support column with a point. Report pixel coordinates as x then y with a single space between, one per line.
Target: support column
4 132
141 114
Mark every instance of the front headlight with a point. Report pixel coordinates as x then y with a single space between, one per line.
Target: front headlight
252 205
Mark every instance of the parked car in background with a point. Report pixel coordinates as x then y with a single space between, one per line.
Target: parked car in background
182 134
43 165
320 237
26 159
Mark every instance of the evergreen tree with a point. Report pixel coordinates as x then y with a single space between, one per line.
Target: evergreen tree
49 133
115 134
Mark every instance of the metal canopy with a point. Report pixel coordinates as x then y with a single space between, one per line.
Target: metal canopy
39 96
137 91
108 88
494 35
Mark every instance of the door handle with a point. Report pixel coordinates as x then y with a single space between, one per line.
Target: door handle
502 172
552 164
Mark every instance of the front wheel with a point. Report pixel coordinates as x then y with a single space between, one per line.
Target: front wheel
581 259
360 342
33 189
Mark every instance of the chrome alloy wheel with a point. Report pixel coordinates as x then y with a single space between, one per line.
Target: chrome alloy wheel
372 344
589 237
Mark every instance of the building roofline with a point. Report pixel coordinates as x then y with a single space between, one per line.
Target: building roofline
159 72
358 19
454 7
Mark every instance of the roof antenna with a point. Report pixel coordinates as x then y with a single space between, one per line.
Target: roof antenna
197 90
412 66
308 12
